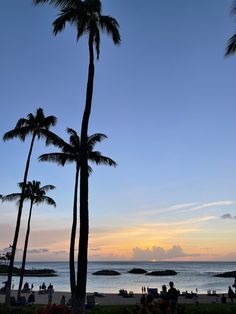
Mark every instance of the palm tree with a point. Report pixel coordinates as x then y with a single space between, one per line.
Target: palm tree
36 194
231 45
87 18
71 153
37 126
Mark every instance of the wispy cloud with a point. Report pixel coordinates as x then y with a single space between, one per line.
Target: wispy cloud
167 209
186 207
208 205
182 222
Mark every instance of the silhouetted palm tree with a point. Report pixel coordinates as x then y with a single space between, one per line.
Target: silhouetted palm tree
37 126
70 153
88 20
36 194
231 45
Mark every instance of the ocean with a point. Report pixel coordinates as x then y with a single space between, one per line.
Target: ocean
191 276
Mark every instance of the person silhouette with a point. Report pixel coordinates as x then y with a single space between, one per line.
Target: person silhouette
172 295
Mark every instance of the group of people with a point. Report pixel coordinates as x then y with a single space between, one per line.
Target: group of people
166 299
44 288
49 290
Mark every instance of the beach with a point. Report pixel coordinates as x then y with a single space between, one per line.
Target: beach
114 299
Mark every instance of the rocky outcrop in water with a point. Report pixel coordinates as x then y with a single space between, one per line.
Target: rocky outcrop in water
28 272
106 272
167 272
137 271
228 274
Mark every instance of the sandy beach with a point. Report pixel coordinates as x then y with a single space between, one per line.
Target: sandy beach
114 299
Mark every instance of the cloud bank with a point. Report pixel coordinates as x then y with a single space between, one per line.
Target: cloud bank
158 253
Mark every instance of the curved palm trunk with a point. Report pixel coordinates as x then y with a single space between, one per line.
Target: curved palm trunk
79 305
18 221
73 235
25 251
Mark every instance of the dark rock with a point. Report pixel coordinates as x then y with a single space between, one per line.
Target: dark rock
137 271
228 274
167 272
106 272
28 272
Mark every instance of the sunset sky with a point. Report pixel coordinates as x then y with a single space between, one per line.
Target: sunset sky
166 100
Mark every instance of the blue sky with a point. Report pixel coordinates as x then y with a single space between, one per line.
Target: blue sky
166 100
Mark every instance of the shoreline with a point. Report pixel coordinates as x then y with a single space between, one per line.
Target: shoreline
116 299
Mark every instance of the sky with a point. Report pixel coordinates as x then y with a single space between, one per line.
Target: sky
166 100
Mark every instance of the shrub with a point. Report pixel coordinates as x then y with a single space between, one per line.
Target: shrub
54 309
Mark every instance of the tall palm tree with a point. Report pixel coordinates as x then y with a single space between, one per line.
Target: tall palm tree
36 194
37 126
88 20
71 153
231 45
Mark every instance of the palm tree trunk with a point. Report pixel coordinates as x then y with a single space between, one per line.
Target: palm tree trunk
25 251
18 221
73 235
79 306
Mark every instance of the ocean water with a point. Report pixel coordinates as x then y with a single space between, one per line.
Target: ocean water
191 275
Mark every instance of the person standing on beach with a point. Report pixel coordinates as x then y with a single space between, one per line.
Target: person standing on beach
172 297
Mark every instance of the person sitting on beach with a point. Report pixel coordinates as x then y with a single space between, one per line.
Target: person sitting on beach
26 286
231 294
31 298
63 300
172 297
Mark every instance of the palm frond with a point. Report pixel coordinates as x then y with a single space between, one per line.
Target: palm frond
21 122
66 15
39 114
20 133
54 139
231 46
94 139
97 41
11 197
55 3
45 199
47 188
233 8
90 170
74 138
49 121
81 25
111 26
99 159
59 158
